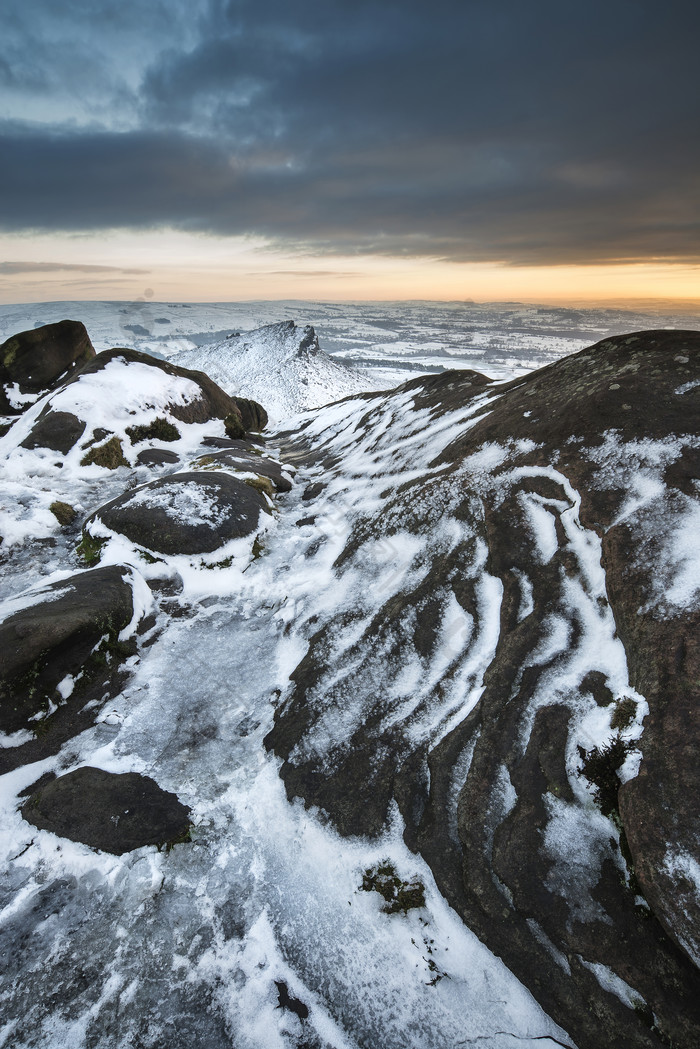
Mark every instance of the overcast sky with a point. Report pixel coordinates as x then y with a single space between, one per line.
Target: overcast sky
502 133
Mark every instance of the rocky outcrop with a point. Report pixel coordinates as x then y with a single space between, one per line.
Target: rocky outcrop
64 648
253 415
491 697
210 402
40 359
73 412
58 431
184 513
114 812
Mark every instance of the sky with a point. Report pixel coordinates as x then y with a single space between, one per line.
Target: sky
328 149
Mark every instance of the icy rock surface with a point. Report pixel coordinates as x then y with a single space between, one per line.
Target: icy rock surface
438 612
192 946
520 675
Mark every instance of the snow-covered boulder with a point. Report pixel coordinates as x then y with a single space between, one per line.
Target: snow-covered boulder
194 512
130 395
60 641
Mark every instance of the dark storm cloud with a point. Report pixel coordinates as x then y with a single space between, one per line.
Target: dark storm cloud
529 133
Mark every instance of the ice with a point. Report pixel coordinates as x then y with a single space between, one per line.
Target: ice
185 948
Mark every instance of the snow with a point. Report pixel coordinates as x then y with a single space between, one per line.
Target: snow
186 946
275 365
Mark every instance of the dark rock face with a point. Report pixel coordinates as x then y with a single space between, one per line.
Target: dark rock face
253 415
58 431
108 811
57 636
39 359
597 911
157 457
185 513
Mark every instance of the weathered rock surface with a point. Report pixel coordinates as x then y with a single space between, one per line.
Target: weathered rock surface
184 513
58 431
548 536
253 415
157 457
115 812
241 459
39 359
71 629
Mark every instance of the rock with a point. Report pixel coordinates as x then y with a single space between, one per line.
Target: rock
593 903
184 513
157 457
71 629
253 415
114 812
210 403
39 359
58 431
246 462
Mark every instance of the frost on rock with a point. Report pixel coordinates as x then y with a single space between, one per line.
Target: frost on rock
430 625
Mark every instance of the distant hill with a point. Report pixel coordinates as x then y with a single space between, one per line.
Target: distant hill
280 364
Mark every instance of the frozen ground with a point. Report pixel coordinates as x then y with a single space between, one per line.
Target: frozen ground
188 948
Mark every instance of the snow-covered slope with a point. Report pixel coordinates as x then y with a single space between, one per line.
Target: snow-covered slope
458 662
281 365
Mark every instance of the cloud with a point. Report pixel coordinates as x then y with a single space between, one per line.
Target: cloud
518 133
52 267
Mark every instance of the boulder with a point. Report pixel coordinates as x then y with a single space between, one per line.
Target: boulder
71 628
114 812
253 415
247 462
211 402
58 431
184 513
586 886
39 359
157 457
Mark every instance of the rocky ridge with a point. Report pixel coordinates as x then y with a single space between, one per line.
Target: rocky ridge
491 598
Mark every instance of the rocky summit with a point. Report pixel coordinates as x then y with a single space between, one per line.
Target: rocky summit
378 731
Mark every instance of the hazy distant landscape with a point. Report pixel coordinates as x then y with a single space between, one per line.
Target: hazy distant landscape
387 341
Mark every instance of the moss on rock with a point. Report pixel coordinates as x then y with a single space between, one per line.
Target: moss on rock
109 455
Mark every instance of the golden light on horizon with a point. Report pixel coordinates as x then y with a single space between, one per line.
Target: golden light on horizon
189 267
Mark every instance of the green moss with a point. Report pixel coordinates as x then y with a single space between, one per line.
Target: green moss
258 548
150 559
399 896
233 426
225 563
261 484
110 455
89 549
9 353
599 766
159 430
624 714
64 513
181 839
